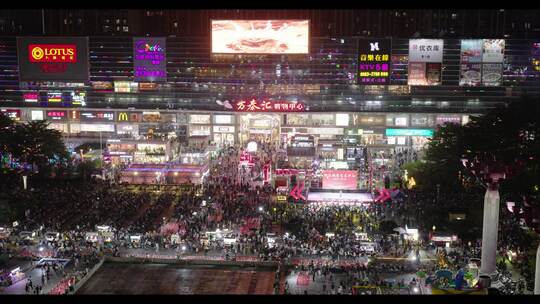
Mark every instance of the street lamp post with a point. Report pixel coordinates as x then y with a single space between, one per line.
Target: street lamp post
537 275
489 173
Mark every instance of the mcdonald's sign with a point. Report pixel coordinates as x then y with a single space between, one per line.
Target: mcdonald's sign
123 116
128 116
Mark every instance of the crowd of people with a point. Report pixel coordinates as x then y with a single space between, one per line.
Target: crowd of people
234 202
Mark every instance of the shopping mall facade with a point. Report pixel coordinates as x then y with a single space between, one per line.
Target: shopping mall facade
345 92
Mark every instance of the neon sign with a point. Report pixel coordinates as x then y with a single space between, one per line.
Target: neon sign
409 132
56 115
254 105
374 61
31 97
149 59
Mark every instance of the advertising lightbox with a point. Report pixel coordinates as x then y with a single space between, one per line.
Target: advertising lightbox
374 61
426 50
149 60
96 116
31 97
339 179
53 58
260 36
493 51
409 132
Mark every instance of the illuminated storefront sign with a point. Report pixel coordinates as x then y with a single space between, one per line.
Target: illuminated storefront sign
74 115
268 106
53 58
78 98
97 116
54 97
284 172
442 119
129 116
36 115
56 115
149 59
409 132
224 129
12 113
374 61
31 97
260 36
339 179
223 119
199 119
97 128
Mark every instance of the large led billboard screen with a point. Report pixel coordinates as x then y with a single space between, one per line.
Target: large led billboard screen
53 58
260 36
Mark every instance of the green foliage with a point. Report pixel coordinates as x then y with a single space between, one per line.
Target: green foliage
32 143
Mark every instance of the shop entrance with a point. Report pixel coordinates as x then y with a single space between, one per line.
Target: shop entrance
262 128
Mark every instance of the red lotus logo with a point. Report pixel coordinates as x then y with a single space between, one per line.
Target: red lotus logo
63 53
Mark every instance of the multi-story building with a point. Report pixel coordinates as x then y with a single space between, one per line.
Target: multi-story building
202 91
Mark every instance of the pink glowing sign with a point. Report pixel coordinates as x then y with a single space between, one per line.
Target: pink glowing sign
149 59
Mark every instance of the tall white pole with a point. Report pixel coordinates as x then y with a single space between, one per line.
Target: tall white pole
490 231
537 276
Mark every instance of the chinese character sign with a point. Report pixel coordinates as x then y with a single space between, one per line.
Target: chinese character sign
253 105
339 179
374 61
425 61
426 50
149 61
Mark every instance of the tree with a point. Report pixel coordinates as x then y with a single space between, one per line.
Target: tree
6 138
37 145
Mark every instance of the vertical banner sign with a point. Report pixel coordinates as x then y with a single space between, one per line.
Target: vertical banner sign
492 74
417 73
493 51
535 57
374 61
53 58
425 61
149 59
492 59
471 59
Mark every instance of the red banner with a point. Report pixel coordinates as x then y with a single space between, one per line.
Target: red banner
340 179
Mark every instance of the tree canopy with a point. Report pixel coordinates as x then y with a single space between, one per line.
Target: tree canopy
31 145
